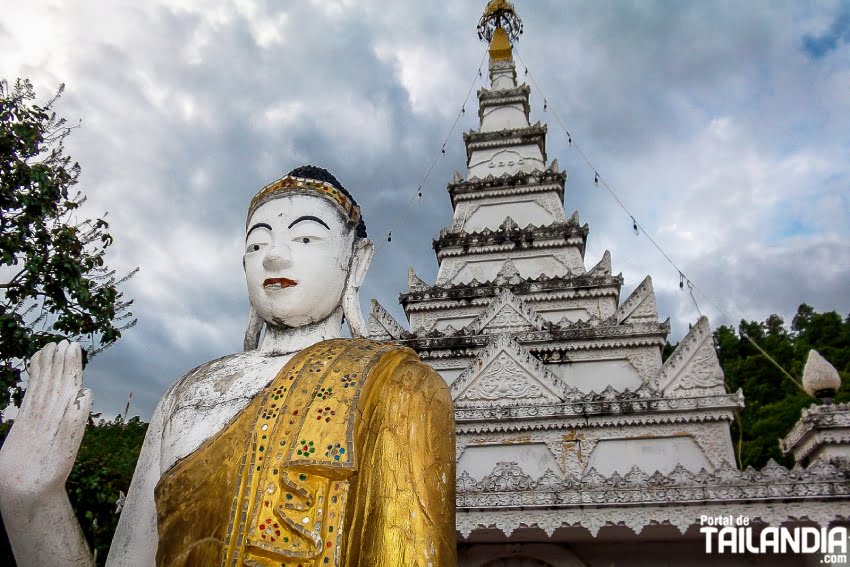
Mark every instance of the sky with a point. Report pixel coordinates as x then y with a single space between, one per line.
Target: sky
721 126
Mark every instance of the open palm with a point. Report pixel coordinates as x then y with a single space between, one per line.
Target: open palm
42 444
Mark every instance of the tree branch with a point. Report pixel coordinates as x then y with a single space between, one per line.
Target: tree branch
12 281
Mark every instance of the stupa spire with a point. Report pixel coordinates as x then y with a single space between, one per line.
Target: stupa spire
500 26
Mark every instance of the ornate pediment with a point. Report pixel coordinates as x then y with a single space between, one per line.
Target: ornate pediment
640 305
603 268
382 326
507 313
508 274
504 373
414 282
693 368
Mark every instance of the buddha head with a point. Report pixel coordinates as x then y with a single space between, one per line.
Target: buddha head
306 254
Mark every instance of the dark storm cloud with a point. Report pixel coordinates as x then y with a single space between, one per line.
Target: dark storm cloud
718 131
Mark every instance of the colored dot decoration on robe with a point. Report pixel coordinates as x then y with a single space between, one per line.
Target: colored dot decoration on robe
325 413
335 451
306 448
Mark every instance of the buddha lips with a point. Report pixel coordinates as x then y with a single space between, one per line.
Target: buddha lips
280 282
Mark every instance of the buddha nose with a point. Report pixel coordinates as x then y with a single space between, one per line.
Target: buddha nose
278 257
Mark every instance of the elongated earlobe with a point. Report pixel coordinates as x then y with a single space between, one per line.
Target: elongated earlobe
254 330
352 313
364 251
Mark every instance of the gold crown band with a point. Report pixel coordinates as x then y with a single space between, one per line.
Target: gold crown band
290 184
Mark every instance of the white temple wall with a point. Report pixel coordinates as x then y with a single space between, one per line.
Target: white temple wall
539 209
502 79
648 454
449 368
576 308
524 212
829 452
620 368
501 160
534 458
596 375
457 317
571 445
571 314
509 116
651 446
454 321
418 320
530 264
450 374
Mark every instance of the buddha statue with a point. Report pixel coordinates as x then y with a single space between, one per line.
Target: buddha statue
306 449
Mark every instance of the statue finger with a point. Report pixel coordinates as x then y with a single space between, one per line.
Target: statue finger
39 380
73 425
31 391
66 373
81 409
58 393
74 365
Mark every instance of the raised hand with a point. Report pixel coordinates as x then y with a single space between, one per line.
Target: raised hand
41 447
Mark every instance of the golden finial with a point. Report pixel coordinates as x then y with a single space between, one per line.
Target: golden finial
499 14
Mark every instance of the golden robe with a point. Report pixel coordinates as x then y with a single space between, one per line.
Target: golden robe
346 459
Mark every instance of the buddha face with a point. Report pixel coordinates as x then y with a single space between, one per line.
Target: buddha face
298 253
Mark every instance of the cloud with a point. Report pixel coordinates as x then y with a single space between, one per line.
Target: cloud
722 135
820 45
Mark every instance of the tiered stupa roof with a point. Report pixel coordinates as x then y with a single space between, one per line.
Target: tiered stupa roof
566 414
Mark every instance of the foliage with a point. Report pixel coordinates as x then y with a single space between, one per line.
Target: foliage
52 273
104 468
773 401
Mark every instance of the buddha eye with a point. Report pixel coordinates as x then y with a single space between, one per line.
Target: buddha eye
306 240
255 247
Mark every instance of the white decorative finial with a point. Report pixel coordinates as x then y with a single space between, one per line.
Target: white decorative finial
820 378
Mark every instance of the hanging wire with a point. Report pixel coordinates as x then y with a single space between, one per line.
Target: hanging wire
682 278
418 194
694 299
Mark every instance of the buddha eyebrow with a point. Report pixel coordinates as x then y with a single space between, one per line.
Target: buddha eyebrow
309 218
258 225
